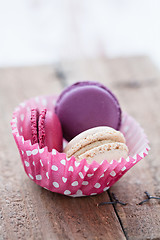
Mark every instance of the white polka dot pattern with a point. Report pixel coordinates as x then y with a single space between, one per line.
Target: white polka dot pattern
75 183
31 176
39 177
70 169
102 175
22 117
123 169
29 153
81 175
113 173
57 173
85 183
63 161
64 179
41 150
35 151
41 162
97 185
54 168
86 168
26 163
56 184
47 175
90 175
105 189
77 163
67 192
54 151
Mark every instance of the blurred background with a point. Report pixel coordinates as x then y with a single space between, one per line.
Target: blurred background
36 32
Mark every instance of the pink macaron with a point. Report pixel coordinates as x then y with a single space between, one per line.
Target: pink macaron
43 127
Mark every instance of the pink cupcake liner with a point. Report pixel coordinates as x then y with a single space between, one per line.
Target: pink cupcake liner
57 173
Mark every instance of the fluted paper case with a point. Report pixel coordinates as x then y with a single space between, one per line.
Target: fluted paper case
57 173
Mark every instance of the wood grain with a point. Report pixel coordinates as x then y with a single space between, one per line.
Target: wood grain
142 222
29 212
136 83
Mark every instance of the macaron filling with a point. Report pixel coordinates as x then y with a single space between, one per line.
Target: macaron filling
91 146
41 128
37 122
109 152
34 125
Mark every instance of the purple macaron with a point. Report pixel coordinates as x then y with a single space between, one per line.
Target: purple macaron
85 105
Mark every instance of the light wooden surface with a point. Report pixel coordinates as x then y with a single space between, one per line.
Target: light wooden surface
29 212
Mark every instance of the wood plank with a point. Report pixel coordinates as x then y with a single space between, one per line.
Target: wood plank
30 212
142 101
27 211
136 82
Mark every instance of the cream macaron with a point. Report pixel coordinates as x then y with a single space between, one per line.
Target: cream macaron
97 144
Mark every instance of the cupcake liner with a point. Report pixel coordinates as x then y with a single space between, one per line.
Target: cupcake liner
57 173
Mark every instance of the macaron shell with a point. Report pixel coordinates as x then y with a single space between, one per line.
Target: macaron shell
53 132
41 128
30 125
87 106
27 133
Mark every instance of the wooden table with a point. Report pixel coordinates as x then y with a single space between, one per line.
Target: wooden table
30 212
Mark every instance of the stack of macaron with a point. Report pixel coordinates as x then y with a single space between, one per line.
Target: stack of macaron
77 144
89 116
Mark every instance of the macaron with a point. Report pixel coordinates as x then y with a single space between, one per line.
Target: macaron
85 105
43 128
98 144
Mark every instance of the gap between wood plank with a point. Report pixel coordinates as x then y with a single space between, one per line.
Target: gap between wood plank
130 79
118 217
31 208
62 76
